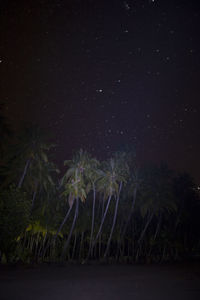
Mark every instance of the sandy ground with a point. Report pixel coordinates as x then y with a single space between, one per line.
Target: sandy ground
135 282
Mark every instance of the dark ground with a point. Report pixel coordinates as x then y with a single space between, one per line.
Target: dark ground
137 282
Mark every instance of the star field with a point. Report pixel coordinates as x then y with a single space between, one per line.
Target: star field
103 75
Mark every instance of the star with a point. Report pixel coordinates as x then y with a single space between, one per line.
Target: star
126 5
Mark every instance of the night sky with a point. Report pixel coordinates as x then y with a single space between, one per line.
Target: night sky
106 75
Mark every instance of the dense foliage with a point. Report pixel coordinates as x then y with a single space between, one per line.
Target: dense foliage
98 210
14 217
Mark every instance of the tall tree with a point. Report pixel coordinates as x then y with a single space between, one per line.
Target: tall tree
119 170
156 196
32 149
110 183
92 177
29 151
74 184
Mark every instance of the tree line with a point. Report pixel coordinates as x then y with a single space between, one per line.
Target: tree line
109 210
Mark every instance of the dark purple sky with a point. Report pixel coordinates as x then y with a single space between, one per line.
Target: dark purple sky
105 74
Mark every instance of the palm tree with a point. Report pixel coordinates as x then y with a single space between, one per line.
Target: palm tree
74 183
30 151
73 180
40 179
186 224
110 182
134 182
157 196
92 177
41 183
119 170
134 186
37 175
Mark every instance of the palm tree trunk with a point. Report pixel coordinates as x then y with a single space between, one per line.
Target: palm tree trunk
99 246
81 244
102 221
145 228
100 228
71 230
36 244
157 227
33 198
63 222
24 173
131 212
114 221
129 216
93 213
74 246
42 244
